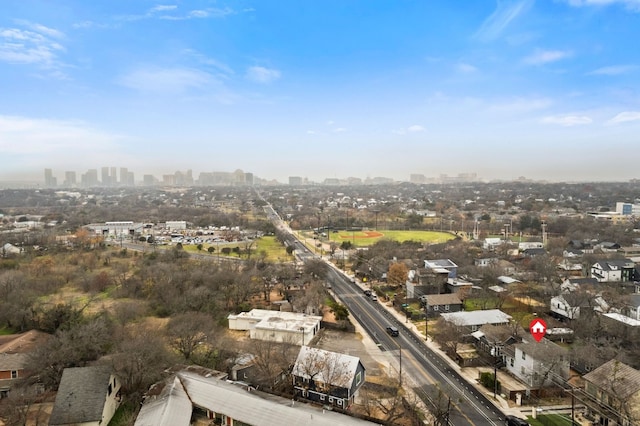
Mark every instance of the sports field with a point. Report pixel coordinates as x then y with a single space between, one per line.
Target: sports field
367 238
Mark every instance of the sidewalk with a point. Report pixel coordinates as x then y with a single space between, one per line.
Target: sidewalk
469 373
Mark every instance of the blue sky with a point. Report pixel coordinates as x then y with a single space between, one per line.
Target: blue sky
542 89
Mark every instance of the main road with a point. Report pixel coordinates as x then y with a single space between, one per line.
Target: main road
446 393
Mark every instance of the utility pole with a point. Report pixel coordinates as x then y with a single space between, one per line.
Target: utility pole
495 353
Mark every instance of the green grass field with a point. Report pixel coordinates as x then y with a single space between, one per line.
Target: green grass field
269 244
363 239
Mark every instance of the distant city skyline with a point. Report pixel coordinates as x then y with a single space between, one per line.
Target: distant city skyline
543 89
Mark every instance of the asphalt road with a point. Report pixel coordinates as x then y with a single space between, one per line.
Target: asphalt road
433 379
450 397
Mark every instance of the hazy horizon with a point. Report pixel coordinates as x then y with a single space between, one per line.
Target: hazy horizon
544 90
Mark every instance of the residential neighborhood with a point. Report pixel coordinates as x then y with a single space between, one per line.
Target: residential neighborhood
211 307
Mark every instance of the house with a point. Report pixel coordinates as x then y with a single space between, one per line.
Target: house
621 270
569 305
459 286
572 284
473 320
533 252
327 377
488 337
11 369
486 261
88 396
537 364
435 304
14 357
614 394
202 394
633 306
277 326
442 266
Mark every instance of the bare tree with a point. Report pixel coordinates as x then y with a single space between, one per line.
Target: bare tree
449 336
189 330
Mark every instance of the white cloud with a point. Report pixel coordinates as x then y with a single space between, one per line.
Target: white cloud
466 68
416 128
311 132
497 22
226 69
541 57
625 117
614 70
29 136
166 80
632 5
339 130
37 46
262 75
163 7
567 120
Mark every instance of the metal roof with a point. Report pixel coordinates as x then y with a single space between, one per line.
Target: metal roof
171 408
489 316
257 408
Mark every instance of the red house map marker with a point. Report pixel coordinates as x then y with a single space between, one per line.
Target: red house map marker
538 329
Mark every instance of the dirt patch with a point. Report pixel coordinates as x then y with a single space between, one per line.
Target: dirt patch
349 344
367 234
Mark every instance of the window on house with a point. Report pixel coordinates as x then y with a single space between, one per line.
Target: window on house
435 307
524 356
339 402
446 307
511 361
109 390
522 370
331 399
321 397
14 374
358 378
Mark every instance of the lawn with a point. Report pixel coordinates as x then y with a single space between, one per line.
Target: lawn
269 244
367 238
549 420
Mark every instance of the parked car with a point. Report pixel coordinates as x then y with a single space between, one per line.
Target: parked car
374 297
393 331
515 421
367 292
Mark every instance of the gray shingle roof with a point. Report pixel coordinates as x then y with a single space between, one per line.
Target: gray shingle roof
81 395
616 378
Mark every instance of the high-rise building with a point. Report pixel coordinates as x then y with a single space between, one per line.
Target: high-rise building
124 176
113 177
148 180
105 179
49 180
295 180
90 178
70 179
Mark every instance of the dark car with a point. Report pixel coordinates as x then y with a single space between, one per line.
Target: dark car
393 331
515 421
367 292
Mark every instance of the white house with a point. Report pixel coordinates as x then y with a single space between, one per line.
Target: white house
537 364
277 326
560 306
